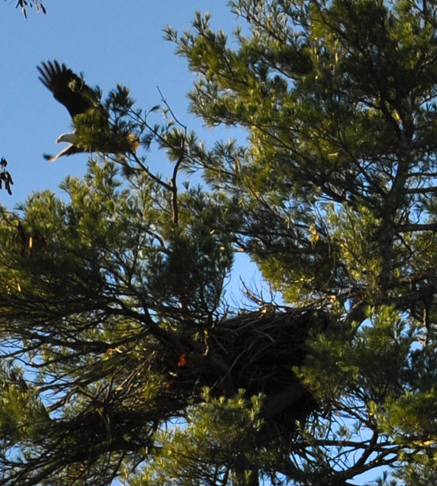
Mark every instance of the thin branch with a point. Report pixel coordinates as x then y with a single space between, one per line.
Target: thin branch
178 163
406 228
147 171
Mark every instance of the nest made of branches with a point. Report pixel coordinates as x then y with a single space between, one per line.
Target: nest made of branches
260 352
263 347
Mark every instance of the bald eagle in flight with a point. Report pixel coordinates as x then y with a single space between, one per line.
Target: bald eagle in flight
80 100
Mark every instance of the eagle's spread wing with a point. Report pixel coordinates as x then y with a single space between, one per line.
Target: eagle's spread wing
68 88
68 150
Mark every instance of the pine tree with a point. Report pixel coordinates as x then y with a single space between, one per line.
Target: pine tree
120 356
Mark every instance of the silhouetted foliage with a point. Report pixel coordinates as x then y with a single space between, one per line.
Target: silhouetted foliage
24 4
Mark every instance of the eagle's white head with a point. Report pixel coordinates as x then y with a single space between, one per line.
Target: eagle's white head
67 137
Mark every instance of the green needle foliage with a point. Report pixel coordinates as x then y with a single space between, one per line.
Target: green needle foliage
121 358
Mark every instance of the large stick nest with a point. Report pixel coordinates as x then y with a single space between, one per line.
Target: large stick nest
258 352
